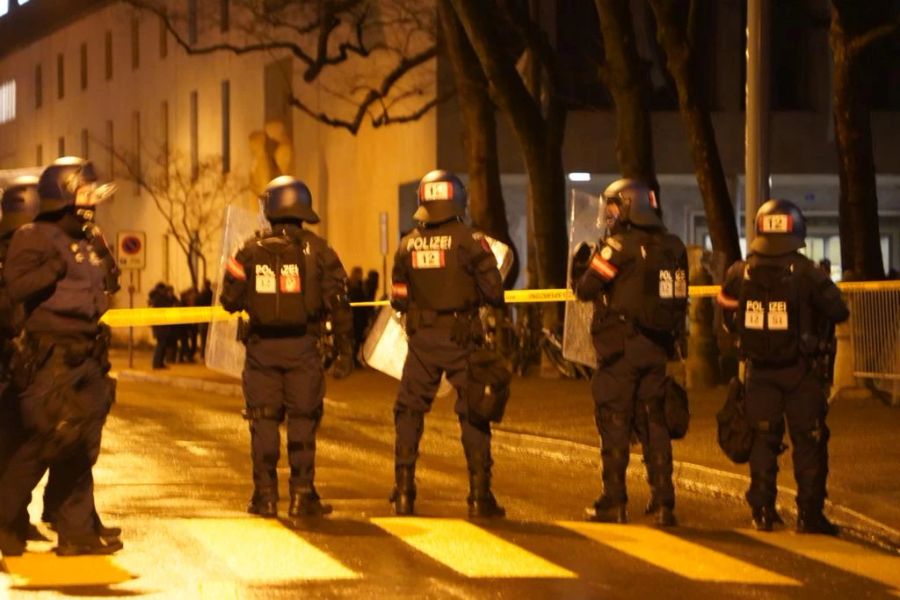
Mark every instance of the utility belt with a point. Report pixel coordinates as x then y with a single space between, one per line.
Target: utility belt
463 324
72 349
772 364
246 331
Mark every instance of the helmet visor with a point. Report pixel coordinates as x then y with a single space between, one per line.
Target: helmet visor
91 194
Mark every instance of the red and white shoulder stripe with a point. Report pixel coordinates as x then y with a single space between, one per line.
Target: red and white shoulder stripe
399 290
726 301
603 267
235 269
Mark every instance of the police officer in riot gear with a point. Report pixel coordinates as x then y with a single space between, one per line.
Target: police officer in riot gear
782 308
443 271
287 280
53 269
637 280
19 206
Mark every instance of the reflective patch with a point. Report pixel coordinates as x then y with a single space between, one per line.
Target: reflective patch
606 253
434 242
680 284
778 316
605 269
666 285
643 252
614 243
775 224
399 290
754 315
236 269
290 279
428 259
437 190
265 280
726 301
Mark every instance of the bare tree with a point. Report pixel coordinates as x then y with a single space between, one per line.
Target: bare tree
537 115
190 198
860 35
385 49
677 33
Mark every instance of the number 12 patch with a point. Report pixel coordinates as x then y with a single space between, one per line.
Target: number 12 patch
428 259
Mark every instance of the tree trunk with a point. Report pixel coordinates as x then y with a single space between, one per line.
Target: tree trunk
479 133
673 37
625 76
543 160
858 206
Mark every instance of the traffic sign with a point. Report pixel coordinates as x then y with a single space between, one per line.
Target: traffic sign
132 249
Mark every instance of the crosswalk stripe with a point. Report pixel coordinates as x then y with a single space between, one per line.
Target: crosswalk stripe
46 570
262 550
836 553
676 555
470 550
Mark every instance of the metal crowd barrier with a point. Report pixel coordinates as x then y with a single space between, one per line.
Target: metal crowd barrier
875 334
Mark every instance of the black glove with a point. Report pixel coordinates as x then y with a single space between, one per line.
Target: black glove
581 260
343 363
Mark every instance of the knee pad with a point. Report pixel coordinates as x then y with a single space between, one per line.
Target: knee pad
817 436
264 413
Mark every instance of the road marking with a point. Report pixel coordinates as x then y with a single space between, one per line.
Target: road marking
676 555
470 550
219 590
192 448
840 554
259 550
39 570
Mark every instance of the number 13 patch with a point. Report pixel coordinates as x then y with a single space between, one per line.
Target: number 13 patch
428 259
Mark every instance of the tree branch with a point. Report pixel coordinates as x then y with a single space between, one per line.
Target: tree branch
859 43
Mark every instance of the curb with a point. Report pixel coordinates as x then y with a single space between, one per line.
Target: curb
702 480
689 477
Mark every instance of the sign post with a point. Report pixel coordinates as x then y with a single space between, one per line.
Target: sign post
131 255
383 244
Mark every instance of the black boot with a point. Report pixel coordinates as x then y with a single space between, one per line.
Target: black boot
11 544
766 518
665 513
264 503
93 545
404 495
107 533
813 521
305 502
607 510
482 503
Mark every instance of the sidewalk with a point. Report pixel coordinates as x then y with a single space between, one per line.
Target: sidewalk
864 482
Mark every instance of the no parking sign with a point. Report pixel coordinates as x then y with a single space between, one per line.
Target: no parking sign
132 249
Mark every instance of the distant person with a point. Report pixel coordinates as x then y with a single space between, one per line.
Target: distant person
187 337
356 292
204 298
159 299
825 266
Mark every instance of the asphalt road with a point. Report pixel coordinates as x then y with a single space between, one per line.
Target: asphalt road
175 475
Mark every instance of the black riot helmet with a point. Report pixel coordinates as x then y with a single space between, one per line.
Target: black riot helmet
20 203
780 228
442 196
288 198
71 181
637 202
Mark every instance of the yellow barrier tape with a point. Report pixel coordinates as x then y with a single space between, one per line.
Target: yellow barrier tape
144 317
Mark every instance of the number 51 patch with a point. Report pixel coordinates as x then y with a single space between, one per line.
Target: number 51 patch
428 259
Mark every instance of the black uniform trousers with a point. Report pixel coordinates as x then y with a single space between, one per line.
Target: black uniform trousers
628 396
431 354
89 392
798 394
283 377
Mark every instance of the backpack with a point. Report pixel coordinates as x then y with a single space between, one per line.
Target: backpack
768 316
276 282
665 284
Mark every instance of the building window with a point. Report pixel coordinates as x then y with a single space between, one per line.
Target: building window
38 86
7 101
85 150
84 66
224 17
195 138
39 155
226 126
109 55
61 146
163 37
135 44
192 21
60 76
110 143
138 170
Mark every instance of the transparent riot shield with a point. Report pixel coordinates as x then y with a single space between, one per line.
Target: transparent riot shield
386 346
586 224
224 352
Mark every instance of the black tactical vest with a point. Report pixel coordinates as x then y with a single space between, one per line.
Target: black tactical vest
654 293
440 278
80 294
11 314
769 316
276 277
